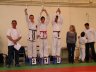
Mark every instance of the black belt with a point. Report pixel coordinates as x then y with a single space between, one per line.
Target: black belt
57 32
33 34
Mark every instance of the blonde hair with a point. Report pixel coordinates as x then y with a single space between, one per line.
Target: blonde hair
73 27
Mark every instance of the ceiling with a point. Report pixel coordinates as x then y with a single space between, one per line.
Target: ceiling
51 3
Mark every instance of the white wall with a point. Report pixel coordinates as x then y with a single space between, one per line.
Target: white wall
75 16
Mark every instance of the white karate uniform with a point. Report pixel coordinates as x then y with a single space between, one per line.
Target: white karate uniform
56 46
32 50
14 34
82 41
43 50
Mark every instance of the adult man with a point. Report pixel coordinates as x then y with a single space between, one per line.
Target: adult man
32 27
56 47
13 36
43 36
90 36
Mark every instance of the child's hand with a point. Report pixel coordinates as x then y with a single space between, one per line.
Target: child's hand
78 37
86 38
38 36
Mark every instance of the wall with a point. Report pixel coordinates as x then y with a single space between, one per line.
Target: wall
75 16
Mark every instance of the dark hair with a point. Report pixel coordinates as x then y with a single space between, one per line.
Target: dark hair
14 21
31 15
82 34
42 17
86 24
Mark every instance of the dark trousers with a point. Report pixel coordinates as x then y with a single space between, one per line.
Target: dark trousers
88 46
11 53
71 49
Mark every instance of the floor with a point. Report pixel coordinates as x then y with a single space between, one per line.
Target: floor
78 67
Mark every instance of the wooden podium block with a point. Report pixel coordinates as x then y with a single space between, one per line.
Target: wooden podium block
34 61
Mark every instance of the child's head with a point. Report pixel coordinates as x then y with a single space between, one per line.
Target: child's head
82 34
87 25
42 19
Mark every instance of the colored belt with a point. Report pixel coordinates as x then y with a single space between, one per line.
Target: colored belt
33 34
58 32
44 32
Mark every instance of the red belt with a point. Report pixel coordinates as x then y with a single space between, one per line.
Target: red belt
44 32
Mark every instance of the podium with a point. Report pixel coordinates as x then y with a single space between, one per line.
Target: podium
34 61
58 60
46 60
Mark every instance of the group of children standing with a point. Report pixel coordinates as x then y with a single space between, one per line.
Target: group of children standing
39 31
